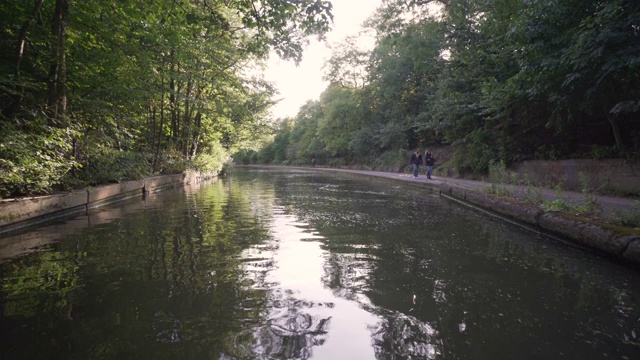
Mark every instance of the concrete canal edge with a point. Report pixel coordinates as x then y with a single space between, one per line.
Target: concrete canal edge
605 239
20 213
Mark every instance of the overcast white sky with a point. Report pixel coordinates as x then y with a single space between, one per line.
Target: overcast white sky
304 82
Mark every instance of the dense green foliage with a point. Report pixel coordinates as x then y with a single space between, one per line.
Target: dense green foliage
98 91
493 80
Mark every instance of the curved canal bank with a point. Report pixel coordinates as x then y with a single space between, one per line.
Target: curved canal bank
20 213
621 244
605 239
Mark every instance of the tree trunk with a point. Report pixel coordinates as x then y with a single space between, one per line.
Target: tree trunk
10 111
161 126
196 135
57 99
174 87
616 131
172 105
189 105
153 122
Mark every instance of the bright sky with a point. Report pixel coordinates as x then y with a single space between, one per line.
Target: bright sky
299 84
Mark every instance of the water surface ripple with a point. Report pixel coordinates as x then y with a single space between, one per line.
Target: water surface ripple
282 264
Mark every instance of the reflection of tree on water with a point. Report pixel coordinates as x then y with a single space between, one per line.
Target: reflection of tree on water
397 335
404 336
290 331
354 269
167 328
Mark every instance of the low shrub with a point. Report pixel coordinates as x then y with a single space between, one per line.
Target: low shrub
103 165
32 164
213 161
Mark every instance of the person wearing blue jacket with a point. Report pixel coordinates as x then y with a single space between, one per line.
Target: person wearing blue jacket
416 161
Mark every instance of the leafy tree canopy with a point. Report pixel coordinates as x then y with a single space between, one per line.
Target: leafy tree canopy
118 90
494 80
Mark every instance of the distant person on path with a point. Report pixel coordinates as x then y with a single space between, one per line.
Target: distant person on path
313 161
416 161
429 161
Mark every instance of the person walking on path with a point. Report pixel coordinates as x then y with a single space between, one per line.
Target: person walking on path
313 161
416 161
429 161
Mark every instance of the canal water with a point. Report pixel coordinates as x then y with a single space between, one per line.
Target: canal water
292 264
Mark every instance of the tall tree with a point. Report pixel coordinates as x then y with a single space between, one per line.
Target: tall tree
142 87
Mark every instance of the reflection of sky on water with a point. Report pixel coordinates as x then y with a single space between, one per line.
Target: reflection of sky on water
305 318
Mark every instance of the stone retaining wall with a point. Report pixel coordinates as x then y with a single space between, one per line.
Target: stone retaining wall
23 212
21 243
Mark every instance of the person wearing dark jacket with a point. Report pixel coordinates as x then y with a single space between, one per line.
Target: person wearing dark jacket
416 161
429 161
